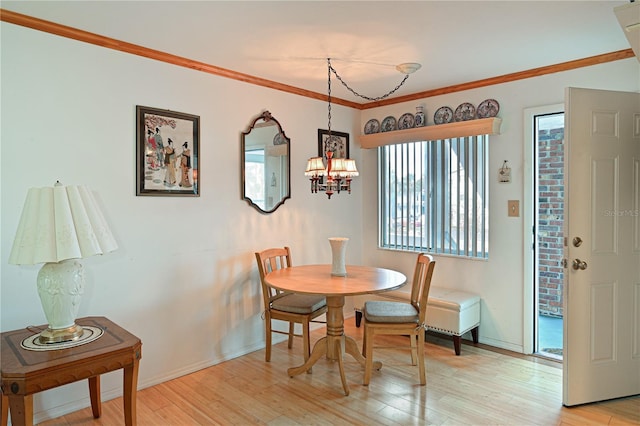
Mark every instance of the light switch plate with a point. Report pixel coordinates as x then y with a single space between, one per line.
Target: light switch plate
514 208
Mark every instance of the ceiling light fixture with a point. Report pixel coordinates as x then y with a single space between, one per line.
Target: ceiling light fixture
632 27
408 67
340 171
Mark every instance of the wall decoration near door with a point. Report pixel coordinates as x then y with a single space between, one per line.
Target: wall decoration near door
339 144
167 152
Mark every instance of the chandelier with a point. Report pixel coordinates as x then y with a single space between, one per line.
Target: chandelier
337 174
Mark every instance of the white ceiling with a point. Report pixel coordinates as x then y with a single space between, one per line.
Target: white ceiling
288 41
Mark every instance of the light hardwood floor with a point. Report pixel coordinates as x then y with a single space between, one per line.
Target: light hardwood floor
480 387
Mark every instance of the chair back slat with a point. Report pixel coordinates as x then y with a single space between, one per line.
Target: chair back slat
270 260
421 284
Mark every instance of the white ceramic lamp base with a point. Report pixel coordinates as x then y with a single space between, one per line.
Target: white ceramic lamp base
60 286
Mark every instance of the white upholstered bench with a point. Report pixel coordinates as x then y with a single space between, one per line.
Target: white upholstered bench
449 311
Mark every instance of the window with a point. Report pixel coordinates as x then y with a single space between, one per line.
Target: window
434 196
254 175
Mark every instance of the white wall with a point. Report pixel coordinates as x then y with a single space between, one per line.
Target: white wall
499 280
184 278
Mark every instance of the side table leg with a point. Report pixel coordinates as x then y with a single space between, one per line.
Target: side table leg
4 408
94 394
21 407
130 393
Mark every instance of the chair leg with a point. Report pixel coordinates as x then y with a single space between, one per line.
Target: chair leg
368 364
267 353
291 330
414 348
364 344
421 368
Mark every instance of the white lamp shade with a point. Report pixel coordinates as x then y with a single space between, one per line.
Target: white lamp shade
338 167
315 167
352 170
59 223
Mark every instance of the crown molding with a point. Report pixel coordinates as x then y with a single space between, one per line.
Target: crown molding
110 43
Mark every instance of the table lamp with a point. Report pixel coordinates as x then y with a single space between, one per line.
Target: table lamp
59 225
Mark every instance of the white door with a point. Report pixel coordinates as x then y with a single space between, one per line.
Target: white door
602 279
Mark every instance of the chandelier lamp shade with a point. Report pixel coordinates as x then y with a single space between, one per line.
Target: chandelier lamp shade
58 226
337 174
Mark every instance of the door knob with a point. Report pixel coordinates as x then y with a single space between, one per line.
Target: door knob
579 264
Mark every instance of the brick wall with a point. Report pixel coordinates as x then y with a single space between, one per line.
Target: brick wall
550 219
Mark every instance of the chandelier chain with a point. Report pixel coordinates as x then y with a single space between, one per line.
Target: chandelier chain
329 96
379 98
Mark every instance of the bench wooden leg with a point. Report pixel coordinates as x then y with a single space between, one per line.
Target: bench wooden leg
456 344
457 339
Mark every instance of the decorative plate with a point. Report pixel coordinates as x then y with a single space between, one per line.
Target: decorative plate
372 126
406 121
389 124
464 112
443 115
488 108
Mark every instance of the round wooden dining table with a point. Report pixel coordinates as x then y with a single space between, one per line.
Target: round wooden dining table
317 279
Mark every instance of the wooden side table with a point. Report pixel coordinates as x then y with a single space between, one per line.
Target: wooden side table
25 372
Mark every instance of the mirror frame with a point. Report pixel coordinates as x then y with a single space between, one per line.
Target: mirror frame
266 117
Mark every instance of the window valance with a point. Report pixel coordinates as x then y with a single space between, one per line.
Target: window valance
483 126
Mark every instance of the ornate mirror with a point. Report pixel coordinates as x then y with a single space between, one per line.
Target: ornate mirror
265 164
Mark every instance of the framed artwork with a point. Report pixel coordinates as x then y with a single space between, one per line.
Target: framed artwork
339 144
167 153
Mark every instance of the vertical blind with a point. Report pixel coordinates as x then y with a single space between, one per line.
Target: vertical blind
434 196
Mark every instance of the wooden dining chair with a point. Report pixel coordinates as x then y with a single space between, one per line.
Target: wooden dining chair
291 307
400 318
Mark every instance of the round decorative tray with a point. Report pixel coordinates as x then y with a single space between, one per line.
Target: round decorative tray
89 334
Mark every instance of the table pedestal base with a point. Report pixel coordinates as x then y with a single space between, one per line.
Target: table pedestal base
334 344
